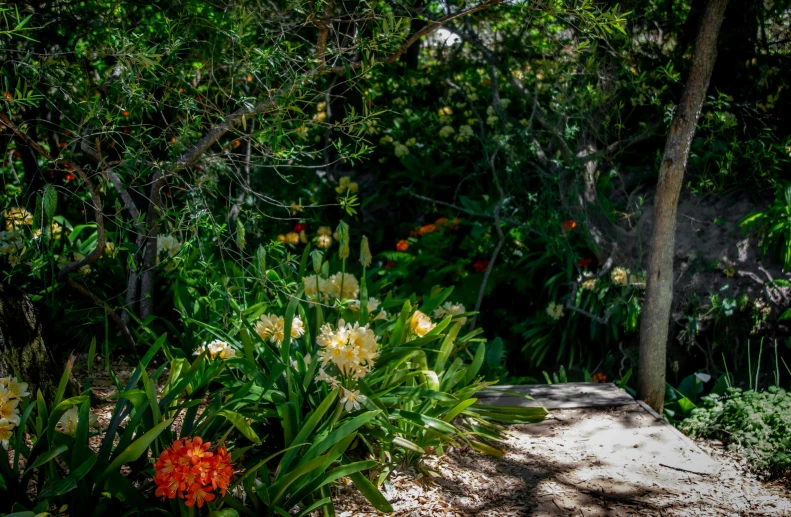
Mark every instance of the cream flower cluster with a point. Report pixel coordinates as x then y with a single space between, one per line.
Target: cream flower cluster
619 276
217 348
400 150
17 217
351 348
11 242
341 286
555 310
421 324
450 309
168 246
71 418
465 133
11 393
273 328
372 305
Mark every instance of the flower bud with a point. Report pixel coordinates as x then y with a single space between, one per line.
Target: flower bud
316 256
365 252
343 239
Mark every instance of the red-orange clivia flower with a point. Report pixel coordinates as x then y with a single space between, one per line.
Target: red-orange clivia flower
188 470
402 245
568 225
428 228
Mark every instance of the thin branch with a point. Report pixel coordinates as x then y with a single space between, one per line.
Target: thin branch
428 29
107 310
94 255
500 242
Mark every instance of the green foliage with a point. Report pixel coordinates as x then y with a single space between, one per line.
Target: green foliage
756 424
774 225
293 417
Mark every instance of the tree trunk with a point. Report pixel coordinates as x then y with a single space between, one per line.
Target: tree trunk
22 350
659 282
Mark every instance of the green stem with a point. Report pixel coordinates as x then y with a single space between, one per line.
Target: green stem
337 415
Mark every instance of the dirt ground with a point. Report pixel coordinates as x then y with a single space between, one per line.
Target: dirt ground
583 462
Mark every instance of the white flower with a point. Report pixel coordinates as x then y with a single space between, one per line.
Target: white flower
6 432
555 310
343 286
9 409
217 348
16 389
351 399
465 133
322 376
351 348
272 327
446 131
450 309
421 324
619 276
70 419
372 305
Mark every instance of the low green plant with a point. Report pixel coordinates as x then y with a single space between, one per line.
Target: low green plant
756 424
774 225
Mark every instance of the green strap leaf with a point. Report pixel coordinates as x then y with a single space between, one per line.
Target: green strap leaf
370 492
240 424
135 449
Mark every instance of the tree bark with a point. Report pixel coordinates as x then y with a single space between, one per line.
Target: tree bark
22 350
659 282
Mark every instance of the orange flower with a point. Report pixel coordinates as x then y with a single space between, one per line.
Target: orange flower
599 377
188 470
402 245
198 494
441 220
584 262
125 113
568 225
428 228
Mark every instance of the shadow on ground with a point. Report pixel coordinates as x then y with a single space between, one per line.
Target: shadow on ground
585 462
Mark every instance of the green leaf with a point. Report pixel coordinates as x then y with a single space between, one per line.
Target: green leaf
370 492
48 456
447 347
338 434
477 362
57 487
49 203
241 425
136 448
308 427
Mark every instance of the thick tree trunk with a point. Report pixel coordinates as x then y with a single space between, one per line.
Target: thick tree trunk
659 285
22 350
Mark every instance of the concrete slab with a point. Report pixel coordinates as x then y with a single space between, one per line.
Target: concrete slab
557 396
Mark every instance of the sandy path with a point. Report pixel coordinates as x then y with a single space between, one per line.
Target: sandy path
587 462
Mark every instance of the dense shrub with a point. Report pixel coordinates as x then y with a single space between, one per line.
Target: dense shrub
756 424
